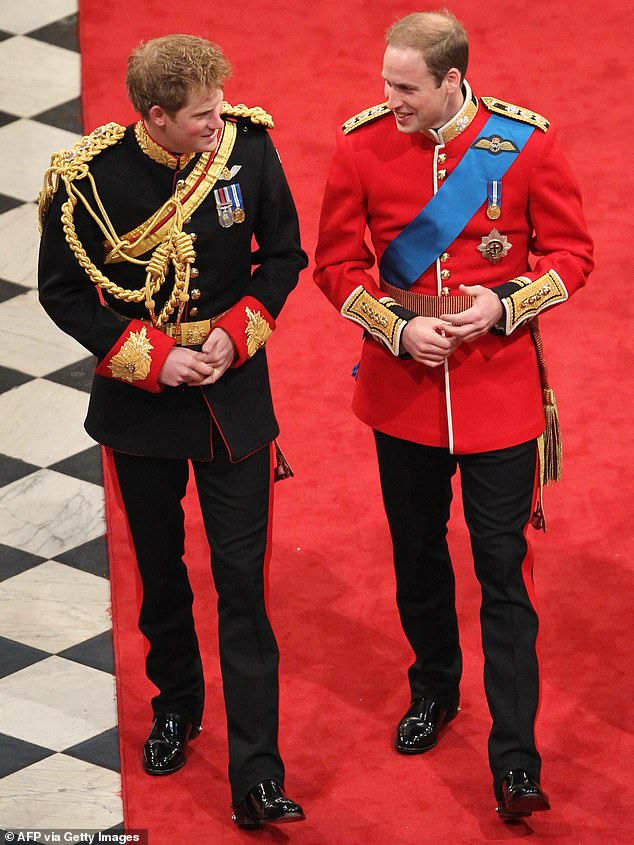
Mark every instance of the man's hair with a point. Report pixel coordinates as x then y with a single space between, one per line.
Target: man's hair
164 71
438 35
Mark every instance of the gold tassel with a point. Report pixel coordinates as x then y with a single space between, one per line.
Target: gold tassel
550 469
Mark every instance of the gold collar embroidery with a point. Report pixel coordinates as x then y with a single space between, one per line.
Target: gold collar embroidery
158 153
459 122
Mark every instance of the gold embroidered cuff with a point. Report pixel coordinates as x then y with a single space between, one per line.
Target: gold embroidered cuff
257 331
532 298
133 361
375 317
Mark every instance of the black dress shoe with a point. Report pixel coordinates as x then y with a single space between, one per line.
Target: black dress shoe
520 795
418 730
164 749
266 804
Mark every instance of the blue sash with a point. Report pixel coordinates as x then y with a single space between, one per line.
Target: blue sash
455 203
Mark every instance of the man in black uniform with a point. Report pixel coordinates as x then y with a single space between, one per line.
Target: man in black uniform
146 259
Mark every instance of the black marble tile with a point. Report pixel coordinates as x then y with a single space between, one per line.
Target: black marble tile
12 378
10 289
61 33
15 656
65 116
15 754
101 750
77 375
4 35
6 118
90 557
14 561
84 465
11 469
97 652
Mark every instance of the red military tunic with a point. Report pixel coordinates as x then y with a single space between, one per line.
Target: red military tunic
488 394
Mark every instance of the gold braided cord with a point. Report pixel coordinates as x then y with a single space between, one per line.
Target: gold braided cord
255 114
176 247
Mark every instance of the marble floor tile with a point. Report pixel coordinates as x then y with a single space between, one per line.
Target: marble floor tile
42 421
47 513
25 15
57 703
53 607
19 245
32 343
61 793
28 145
36 76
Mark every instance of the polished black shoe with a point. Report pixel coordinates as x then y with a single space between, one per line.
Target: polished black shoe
418 730
266 804
520 795
164 749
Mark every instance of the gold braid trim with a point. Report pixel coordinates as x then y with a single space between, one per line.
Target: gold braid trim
175 247
256 114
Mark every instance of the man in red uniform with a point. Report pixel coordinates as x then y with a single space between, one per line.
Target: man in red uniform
456 192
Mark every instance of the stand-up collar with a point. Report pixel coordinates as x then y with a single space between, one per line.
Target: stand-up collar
459 122
158 153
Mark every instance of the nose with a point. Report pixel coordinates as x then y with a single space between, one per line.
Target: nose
215 122
392 97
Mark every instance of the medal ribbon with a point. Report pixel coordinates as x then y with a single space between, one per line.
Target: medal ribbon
450 209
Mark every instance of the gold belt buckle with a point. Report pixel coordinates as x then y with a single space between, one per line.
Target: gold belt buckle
193 334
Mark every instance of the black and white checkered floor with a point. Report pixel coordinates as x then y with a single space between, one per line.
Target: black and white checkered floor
59 758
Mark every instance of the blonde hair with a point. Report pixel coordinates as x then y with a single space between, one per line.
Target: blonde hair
165 70
438 35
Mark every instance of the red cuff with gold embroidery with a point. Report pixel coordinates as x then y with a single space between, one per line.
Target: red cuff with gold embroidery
249 325
137 357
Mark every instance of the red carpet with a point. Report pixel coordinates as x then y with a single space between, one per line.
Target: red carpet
331 587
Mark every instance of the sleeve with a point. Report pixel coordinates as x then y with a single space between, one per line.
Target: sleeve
560 242
344 259
278 261
127 350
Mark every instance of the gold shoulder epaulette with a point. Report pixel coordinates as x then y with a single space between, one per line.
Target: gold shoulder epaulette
255 114
516 112
364 117
71 164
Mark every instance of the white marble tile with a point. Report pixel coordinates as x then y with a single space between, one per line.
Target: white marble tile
42 422
48 513
31 342
27 15
63 794
57 703
53 606
19 245
28 146
35 76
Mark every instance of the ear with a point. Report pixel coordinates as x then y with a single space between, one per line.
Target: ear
452 80
157 116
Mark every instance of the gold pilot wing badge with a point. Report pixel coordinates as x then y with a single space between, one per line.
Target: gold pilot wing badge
132 362
495 145
494 246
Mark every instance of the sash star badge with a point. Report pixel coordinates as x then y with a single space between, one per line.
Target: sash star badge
494 246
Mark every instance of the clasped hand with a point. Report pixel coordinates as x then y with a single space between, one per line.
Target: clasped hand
196 369
431 340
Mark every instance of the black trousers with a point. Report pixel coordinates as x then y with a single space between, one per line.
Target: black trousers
235 503
497 492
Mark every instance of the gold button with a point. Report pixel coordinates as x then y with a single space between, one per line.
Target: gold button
194 273
442 157
187 221
180 184
445 292
445 257
444 275
442 174
193 236
193 312
195 294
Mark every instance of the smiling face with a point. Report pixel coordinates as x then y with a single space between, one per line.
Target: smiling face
413 94
193 128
